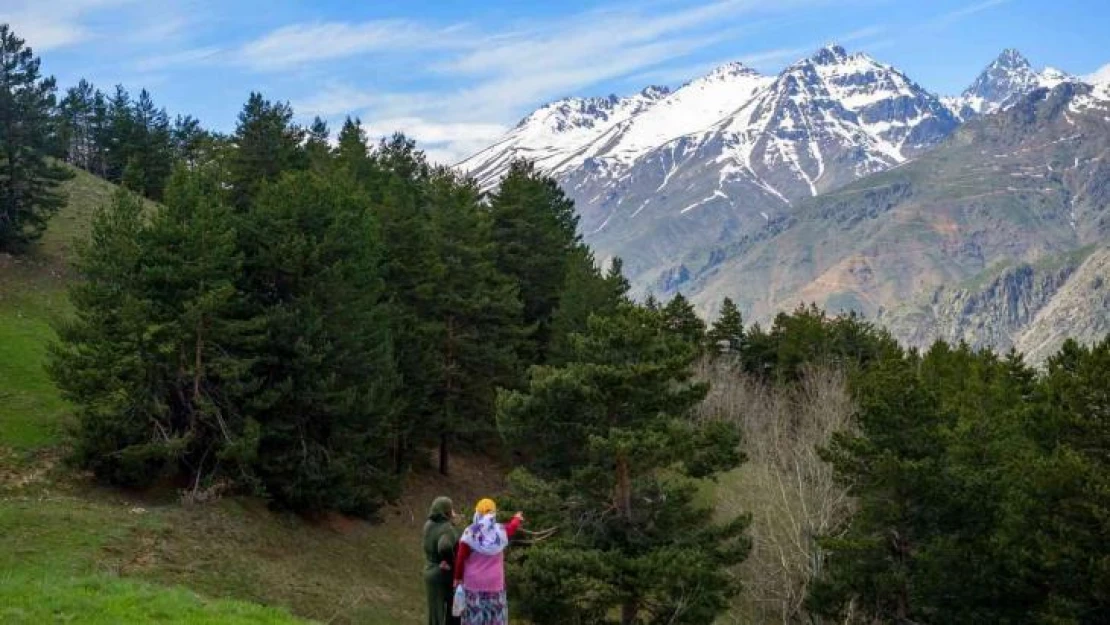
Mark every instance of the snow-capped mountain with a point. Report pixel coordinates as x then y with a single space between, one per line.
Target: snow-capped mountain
564 134
554 133
661 175
656 174
1007 79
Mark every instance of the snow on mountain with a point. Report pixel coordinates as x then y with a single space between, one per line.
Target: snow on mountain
822 122
660 175
1006 80
692 108
562 135
1099 77
833 117
555 132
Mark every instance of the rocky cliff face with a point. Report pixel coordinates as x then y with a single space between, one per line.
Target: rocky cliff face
1080 309
994 310
1015 189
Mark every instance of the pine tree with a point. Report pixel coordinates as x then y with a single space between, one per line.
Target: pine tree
188 140
680 318
324 380
397 178
316 146
351 150
29 181
76 135
118 135
100 363
478 314
158 302
727 334
151 146
99 126
613 456
585 292
535 231
267 144
975 504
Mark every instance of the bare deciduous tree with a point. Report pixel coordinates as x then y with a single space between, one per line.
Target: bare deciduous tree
788 489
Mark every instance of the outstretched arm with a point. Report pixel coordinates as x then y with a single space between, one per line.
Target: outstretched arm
512 526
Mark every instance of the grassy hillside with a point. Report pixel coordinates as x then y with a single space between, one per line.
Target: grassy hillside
32 297
76 553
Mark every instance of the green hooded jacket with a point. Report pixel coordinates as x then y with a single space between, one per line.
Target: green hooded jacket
440 537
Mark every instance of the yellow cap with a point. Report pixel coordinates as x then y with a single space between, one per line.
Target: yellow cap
485 506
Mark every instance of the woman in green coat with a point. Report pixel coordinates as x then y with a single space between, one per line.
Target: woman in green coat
440 541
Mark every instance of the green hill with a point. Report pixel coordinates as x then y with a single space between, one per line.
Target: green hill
77 553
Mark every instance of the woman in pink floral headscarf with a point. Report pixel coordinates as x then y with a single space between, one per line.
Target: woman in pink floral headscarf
480 565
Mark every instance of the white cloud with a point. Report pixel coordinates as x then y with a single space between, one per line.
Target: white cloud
444 143
46 26
503 74
775 56
971 9
185 57
301 44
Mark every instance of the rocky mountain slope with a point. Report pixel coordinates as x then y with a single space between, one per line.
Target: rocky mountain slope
840 180
968 242
659 174
1005 81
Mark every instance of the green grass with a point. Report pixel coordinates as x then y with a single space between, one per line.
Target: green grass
71 552
32 299
100 600
63 557
31 411
61 532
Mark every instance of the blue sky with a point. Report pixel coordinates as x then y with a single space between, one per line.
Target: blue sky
455 74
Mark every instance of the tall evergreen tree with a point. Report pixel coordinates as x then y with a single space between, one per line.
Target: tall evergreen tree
397 177
585 292
151 146
535 228
613 456
188 140
324 379
76 135
267 144
352 149
316 146
118 135
29 181
100 363
158 300
727 334
980 488
680 318
478 314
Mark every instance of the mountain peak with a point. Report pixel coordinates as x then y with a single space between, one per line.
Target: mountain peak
1010 58
831 54
733 68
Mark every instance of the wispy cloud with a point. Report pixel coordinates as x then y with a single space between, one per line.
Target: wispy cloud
300 44
443 142
184 57
503 74
46 26
774 56
862 34
966 11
